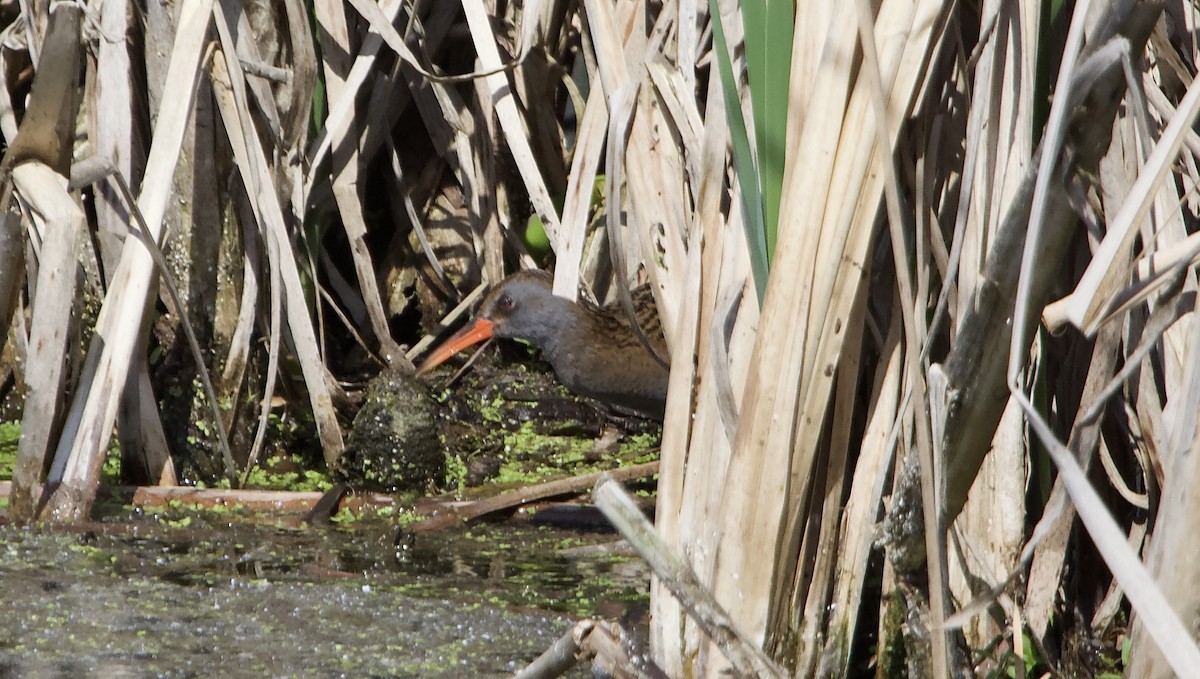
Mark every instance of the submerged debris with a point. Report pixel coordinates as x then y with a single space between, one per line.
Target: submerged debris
394 443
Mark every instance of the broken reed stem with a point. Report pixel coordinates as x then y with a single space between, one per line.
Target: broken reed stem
747 658
523 496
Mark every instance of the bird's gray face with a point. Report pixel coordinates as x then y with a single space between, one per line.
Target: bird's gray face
525 309
522 307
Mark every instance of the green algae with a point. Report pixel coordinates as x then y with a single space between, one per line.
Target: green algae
532 457
10 439
280 472
10 436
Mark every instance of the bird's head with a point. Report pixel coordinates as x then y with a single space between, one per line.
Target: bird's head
522 306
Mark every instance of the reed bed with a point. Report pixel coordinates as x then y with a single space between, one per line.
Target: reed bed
925 270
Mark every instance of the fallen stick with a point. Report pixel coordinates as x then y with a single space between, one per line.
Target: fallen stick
748 659
558 659
605 644
576 485
285 501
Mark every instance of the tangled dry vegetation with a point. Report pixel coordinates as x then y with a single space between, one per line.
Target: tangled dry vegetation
934 386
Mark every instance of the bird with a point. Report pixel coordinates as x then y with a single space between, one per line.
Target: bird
595 351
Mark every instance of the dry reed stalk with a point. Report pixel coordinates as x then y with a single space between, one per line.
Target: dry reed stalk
585 161
515 135
228 95
114 132
85 436
992 523
336 61
822 248
863 509
696 450
59 223
257 176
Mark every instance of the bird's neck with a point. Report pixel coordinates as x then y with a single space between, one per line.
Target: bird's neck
564 331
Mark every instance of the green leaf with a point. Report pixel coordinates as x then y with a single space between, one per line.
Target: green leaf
769 27
743 159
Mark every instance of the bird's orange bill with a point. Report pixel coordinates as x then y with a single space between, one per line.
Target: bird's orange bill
479 330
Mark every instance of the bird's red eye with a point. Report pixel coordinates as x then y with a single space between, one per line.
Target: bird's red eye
506 303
